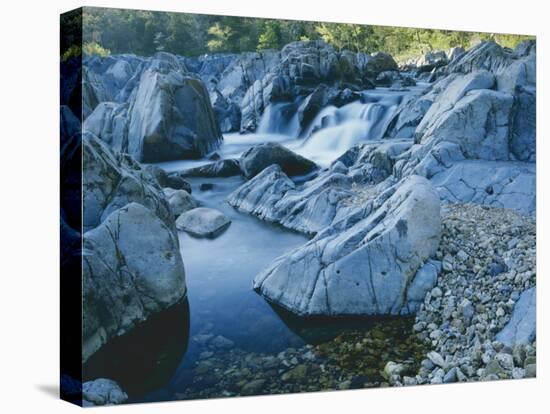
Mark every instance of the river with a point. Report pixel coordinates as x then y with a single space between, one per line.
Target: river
219 272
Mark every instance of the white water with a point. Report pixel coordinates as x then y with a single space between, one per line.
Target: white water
331 133
280 118
335 130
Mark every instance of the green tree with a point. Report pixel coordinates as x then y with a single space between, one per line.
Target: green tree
270 37
219 37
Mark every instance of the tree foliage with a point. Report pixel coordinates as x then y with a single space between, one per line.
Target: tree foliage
146 32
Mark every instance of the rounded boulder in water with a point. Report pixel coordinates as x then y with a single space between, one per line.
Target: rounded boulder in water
203 222
257 158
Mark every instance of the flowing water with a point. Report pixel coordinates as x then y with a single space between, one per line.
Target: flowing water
219 272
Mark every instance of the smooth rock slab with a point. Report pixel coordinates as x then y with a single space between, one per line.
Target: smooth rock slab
203 222
499 184
362 264
522 327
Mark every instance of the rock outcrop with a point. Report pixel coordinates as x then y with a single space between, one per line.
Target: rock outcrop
318 202
303 66
153 109
364 263
132 265
170 117
475 132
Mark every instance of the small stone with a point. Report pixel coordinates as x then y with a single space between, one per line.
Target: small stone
462 255
253 387
344 385
205 354
297 373
393 368
450 376
518 373
493 368
506 361
436 358
221 342
496 269
436 292
448 263
427 364
436 334
409 381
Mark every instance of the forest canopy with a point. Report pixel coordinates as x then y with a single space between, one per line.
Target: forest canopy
115 31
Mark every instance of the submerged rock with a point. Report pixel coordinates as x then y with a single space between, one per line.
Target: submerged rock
363 264
203 222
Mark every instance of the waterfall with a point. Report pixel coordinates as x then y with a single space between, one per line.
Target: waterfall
280 118
335 130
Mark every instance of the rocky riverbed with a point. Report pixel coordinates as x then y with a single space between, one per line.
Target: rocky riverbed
488 257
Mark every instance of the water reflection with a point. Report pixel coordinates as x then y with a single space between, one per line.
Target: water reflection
315 330
145 358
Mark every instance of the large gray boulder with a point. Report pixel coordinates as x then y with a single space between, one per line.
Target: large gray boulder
132 265
522 327
243 71
364 263
474 132
450 93
132 268
170 117
255 159
111 180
